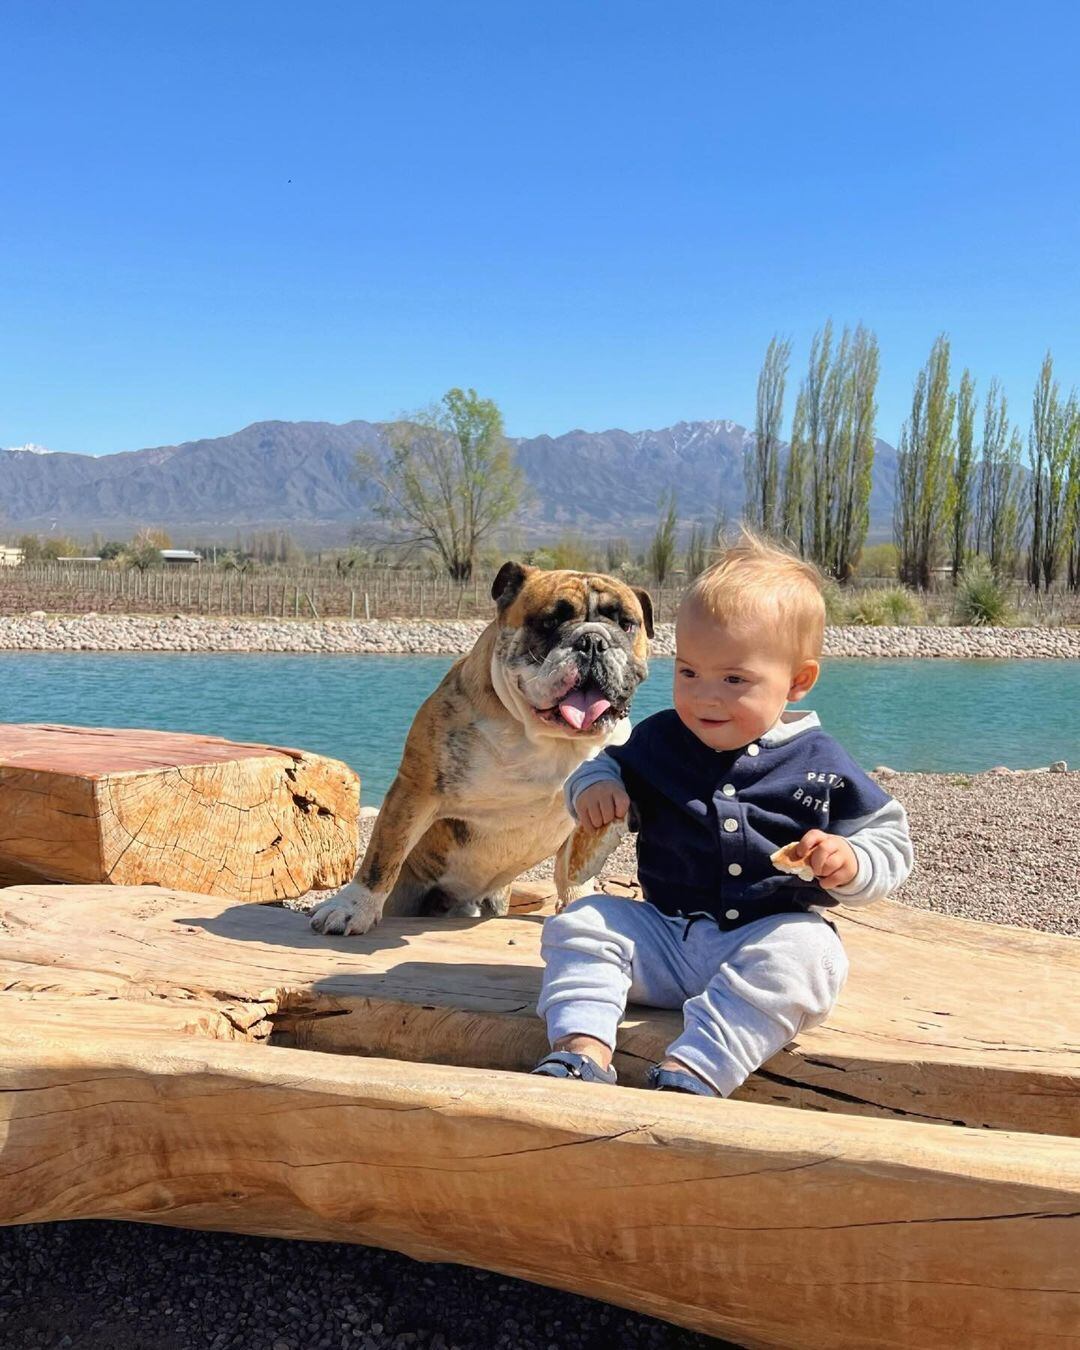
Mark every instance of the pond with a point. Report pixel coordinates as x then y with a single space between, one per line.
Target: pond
920 715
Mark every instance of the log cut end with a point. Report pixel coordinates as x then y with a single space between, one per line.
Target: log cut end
136 808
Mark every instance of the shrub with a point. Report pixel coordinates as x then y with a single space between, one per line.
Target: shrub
879 560
836 605
890 606
981 598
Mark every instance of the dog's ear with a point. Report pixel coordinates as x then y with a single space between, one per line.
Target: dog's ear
645 601
510 579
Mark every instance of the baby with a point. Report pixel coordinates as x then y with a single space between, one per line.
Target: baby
717 785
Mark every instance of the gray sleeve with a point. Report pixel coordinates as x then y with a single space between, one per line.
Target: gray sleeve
882 844
602 769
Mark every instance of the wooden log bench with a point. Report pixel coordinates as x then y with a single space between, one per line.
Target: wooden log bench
163 1057
137 807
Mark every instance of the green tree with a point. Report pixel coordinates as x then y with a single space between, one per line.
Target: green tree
661 553
1072 517
831 457
1000 514
1054 428
144 551
697 551
850 503
923 470
450 480
960 503
762 459
616 554
793 513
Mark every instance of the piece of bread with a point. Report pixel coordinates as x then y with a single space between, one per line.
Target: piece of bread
583 855
784 860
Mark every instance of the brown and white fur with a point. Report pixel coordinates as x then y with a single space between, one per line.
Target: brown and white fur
478 797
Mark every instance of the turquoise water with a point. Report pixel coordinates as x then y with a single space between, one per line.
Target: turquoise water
928 715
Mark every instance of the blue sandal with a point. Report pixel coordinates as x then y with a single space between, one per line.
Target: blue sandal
567 1064
678 1080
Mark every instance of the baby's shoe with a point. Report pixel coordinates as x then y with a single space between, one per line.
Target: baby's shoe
567 1064
677 1080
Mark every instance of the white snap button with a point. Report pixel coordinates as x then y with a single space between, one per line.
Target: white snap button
734 869
729 789
731 913
753 749
731 825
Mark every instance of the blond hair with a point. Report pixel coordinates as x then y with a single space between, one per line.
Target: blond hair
755 580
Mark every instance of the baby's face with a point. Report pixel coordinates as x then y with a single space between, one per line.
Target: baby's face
731 684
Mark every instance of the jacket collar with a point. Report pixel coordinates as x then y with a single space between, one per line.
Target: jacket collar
791 724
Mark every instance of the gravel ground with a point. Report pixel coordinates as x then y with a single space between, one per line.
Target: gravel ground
1003 847
118 1286
38 631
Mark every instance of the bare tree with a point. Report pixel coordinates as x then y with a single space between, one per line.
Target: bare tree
450 480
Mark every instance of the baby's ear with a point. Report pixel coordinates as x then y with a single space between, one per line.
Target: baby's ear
803 680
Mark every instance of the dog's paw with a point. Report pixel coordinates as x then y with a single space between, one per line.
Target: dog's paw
353 911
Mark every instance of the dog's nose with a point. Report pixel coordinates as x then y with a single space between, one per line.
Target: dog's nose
592 642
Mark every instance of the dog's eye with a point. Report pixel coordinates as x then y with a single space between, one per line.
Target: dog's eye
628 625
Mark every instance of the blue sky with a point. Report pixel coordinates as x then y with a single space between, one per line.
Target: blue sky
595 213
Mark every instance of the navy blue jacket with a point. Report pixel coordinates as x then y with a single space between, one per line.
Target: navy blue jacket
708 820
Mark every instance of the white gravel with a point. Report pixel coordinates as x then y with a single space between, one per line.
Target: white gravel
95 632
1001 846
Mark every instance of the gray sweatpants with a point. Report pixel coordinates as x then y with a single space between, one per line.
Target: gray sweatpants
744 994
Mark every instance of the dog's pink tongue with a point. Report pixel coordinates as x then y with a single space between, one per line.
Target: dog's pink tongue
581 708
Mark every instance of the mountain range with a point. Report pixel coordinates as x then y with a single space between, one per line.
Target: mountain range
302 477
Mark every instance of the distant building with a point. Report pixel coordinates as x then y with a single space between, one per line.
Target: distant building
180 557
10 557
78 560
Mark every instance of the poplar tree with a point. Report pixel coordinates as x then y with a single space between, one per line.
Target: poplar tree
1000 512
762 459
923 470
960 502
793 509
1072 517
831 457
851 503
661 554
1054 428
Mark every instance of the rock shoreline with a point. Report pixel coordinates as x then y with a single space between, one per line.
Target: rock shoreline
447 637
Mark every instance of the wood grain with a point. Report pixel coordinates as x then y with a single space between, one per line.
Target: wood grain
942 1019
137 807
143 1077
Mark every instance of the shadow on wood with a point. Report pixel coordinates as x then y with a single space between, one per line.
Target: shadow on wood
145 1076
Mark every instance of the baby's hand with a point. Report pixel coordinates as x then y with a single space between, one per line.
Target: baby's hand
831 858
600 804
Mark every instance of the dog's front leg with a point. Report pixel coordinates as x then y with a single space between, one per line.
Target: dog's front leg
405 817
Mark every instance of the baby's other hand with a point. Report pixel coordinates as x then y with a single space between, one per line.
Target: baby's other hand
600 804
831 858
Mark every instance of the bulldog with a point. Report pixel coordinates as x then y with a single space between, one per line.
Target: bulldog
478 797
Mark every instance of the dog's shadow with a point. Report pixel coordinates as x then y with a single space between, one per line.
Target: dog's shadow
275 925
